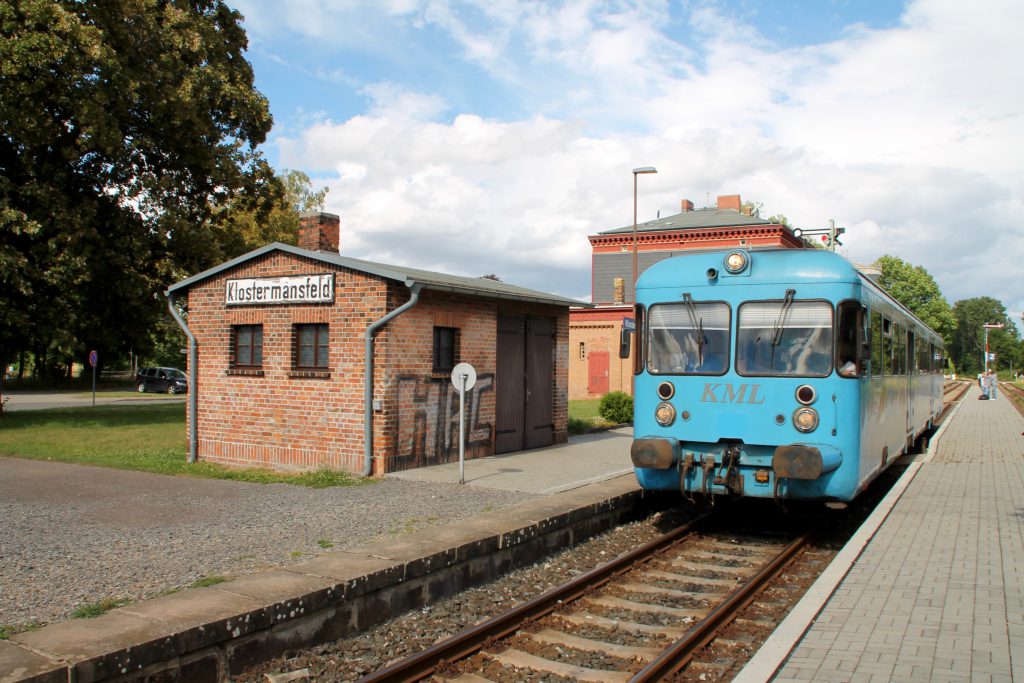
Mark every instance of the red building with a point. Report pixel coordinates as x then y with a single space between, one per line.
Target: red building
303 358
594 365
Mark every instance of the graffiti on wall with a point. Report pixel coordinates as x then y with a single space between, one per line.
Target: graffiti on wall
428 424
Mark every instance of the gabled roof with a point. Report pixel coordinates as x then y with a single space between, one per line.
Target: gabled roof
473 286
698 218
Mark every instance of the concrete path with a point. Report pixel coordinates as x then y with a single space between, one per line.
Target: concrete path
41 400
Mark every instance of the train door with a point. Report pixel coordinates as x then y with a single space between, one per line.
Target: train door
912 381
524 383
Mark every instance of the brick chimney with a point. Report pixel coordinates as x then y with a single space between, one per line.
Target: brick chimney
686 205
729 201
319 231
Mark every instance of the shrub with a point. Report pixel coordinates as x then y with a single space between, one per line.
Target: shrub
617 407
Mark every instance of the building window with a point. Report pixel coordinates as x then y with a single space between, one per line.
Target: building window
311 347
248 346
445 339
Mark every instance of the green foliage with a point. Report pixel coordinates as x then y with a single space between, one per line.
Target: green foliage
207 581
130 135
617 407
94 609
968 346
916 289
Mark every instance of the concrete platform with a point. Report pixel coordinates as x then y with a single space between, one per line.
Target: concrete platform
584 460
207 634
932 587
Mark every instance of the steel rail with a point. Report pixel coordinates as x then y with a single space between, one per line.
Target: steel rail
703 632
461 645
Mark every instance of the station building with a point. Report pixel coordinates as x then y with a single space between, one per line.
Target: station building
307 359
594 332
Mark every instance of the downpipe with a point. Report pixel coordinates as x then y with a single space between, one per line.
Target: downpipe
193 385
368 380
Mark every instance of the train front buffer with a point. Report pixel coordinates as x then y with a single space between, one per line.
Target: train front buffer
747 440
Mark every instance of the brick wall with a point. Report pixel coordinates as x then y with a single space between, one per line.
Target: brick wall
279 418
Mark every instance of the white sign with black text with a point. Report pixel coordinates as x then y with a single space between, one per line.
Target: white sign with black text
298 289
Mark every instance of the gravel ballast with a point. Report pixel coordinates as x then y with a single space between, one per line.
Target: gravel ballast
74 535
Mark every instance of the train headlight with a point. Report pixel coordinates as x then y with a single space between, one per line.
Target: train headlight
736 262
666 390
805 419
805 394
665 414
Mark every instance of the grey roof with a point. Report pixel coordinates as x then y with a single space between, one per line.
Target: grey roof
473 286
698 218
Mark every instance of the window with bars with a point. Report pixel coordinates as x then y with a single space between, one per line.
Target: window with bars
248 346
311 347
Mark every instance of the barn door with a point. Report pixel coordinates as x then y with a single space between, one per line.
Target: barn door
523 383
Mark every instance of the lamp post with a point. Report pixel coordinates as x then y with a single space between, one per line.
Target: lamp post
636 172
989 326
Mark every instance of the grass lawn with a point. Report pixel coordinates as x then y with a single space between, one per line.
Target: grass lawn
144 438
583 416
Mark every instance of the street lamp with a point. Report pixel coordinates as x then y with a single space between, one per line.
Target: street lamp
989 326
636 172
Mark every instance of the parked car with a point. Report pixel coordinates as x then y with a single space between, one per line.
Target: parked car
170 380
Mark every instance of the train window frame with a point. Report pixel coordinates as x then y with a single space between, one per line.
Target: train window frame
849 336
877 333
639 338
648 340
830 327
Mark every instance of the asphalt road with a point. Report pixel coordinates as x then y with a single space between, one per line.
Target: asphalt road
38 400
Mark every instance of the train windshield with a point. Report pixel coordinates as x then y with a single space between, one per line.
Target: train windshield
789 337
691 338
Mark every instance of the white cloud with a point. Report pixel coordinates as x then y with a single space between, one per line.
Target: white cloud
907 136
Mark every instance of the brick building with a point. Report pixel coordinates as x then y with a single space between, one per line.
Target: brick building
594 364
286 337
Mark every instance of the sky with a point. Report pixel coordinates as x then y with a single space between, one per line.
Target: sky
493 136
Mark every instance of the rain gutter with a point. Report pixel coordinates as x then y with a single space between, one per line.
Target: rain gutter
193 385
415 288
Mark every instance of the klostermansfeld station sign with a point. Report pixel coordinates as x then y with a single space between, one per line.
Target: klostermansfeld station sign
302 289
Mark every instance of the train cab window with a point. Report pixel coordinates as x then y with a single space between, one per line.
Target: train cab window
850 334
690 338
792 338
888 351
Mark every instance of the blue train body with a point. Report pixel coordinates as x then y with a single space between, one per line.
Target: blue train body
777 373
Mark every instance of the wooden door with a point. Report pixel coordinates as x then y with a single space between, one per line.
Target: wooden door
597 371
524 383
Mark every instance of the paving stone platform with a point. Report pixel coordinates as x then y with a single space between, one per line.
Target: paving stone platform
936 592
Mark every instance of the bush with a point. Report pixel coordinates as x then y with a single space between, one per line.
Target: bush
617 407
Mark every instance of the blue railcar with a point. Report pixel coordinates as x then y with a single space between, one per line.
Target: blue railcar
783 373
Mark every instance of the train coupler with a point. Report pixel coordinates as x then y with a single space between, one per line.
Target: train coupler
728 472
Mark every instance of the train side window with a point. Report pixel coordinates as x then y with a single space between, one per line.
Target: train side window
850 360
876 344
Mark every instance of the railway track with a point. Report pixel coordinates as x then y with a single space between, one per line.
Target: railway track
640 617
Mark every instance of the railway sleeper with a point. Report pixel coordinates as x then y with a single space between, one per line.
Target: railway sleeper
627 652
647 589
523 660
688 579
586 619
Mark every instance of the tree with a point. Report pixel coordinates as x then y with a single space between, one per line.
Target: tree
968 345
124 125
916 289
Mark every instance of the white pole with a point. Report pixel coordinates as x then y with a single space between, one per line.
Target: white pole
462 431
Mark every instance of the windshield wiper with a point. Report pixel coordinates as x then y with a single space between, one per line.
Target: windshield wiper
779 328
697 324
780 325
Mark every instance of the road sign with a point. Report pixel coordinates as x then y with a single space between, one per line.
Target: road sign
93 358
463 371
629 324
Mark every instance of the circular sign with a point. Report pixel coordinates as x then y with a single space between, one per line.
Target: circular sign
93 358
460 371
